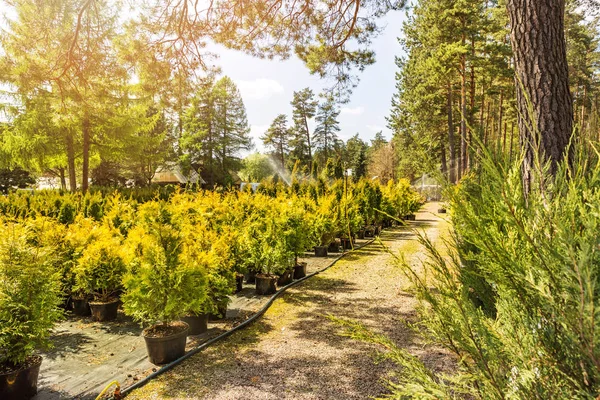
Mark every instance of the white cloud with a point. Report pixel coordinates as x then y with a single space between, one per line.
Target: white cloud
259 89
375 128
353 111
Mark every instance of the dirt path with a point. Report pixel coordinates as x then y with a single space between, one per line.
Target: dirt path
295 352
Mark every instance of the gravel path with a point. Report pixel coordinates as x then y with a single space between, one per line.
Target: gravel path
295 352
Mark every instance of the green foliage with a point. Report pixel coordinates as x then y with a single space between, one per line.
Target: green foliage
67 213
294 223
368 198
399 199
325 220
278 138
264 241
167 273
215 130
325 134
256 168
304 107
14 178
29 294
515 298
356 156
107 174
176 252
100 268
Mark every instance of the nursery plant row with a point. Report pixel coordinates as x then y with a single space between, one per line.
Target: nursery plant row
169 261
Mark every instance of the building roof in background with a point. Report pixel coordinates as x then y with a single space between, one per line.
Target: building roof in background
172 174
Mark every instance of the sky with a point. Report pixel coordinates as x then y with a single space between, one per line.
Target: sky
267 86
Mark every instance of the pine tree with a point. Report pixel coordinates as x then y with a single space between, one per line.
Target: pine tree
278 138
356 157
199 141
325 135
215 131
304 108
231 126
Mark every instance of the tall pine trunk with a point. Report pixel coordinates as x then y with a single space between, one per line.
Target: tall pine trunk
452 154
463 109
85 168
542 80
210 156
500 116
443 157
308 142
71 161
472 106
63 181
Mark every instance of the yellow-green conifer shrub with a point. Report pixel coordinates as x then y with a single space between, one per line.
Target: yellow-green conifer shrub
29 293
48 233
196 215
325 222
99 270
296 217
166 274
119 213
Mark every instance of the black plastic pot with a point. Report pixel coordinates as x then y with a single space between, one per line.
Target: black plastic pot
266 284
104 311
286 278
346 244
333 248
222 314
441 210
198 323
163 350
21 384
81 307
251 277
239 283
411 217
300 270
361 234
320 251
67 304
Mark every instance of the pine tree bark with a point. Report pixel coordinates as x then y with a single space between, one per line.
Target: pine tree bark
211 182
500 116
463 109
63 181
452 154
71 161
472 107
443 157
542 81
85 167
310 160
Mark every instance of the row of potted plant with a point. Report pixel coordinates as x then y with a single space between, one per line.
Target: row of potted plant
164 260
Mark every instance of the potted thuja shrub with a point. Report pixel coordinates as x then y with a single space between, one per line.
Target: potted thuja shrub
78 236
163 282
325 225
324 231
351 223
298 239
222 280
29 306
266 254
98 274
